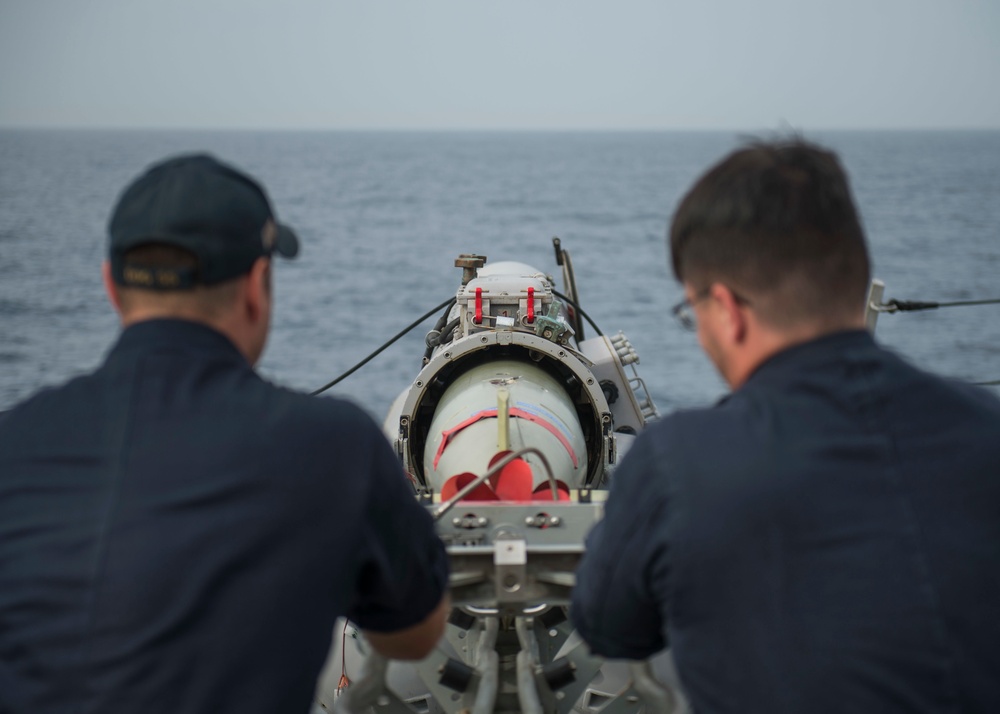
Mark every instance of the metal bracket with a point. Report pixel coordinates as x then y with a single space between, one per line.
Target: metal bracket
510 558
873 305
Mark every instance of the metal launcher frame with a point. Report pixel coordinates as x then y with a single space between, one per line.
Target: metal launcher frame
507 383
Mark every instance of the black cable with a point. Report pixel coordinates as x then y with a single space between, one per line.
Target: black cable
443 336
438 326
910 305
447 303
580 311
377 352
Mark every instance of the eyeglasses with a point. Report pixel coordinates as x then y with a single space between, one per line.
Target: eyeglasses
684 310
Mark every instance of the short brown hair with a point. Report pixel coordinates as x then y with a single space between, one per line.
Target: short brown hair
777 222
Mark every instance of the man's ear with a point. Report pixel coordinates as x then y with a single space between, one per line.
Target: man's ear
733 312
257 295
111 287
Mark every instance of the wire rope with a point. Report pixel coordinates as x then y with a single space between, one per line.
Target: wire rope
913 305
381 349
579 310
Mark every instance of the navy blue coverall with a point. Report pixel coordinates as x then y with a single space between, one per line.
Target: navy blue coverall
826 539
178 535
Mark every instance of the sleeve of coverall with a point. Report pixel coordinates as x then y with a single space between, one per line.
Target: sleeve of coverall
616 603
405 570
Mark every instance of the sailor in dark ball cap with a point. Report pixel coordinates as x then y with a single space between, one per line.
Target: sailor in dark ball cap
176 533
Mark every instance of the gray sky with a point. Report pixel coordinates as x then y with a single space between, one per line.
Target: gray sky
487 64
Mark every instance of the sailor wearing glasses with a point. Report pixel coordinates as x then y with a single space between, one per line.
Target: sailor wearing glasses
827 537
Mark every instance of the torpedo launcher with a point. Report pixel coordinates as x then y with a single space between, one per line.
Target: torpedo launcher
504 373
509 434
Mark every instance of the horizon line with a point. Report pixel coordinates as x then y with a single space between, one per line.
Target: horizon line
485 129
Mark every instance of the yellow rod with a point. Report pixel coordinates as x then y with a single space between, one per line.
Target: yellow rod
503 419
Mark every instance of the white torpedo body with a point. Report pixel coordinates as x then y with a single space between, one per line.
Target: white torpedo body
510 433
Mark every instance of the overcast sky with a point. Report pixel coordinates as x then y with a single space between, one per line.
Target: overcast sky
492 64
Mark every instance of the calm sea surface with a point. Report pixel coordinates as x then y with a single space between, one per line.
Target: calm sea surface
382 217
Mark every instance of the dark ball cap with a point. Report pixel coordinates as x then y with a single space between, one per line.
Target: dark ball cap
195 202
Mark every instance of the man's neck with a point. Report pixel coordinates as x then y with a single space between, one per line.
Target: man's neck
765 342
221 326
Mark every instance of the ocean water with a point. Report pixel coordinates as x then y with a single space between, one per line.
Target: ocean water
382 216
